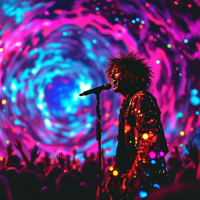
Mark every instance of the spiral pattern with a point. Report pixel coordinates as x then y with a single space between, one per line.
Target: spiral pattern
50 52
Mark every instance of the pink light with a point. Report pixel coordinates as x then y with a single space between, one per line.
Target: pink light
152 155
162 154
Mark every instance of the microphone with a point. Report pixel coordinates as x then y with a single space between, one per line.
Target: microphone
106 86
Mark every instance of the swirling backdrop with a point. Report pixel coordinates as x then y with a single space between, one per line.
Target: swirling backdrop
50 51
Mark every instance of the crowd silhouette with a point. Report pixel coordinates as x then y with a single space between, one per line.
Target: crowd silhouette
67 179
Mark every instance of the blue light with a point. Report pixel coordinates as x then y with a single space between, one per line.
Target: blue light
158 61
143 194
88 125
13 99
197 112
186 41
153 162
4 62
133 21
3 110
137 19
20 49
116 19
3 88
64 33
194 100
79 32
156 186
107 44
147 174
47 123
194 92
94 41
13 86
142 22
96 8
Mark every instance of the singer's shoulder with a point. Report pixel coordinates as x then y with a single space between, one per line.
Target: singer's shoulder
143 95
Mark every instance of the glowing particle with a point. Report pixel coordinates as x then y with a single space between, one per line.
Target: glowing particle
38 143
168 21
7 142
88 125
147 5
137 19
158 35
20 49
106 151
79 32
111 168
97 8
158 61
152 155
107 114
116 123
140 26
3 88
116 19
194 92
145 136
156 185
189 5
64 33
182 133
24 129
3 101
142 194
169 46
115 173
197 112
181 145
162 153
94 41
185 40
176 2
180 114
194 100
153 162
127 128
125 20
142 22
1 158
180 74
1 49
133 21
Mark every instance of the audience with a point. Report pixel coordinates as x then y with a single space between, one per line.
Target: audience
67 179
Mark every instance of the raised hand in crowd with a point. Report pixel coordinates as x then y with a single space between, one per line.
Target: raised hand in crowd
85 156
193 152
18 146
9 151
61 160
176 154
67 158
34 153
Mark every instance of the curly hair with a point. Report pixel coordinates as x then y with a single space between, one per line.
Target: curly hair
134 69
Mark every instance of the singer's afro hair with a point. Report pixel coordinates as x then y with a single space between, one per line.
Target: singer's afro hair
134 69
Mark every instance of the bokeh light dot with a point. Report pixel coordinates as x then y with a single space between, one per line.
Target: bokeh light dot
182 133
3 101
185 40
169 46
158 61
189 5
147 5
7 142
197 113
133 21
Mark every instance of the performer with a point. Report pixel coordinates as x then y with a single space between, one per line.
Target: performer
139 164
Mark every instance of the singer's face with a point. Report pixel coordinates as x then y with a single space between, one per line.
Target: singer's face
117 80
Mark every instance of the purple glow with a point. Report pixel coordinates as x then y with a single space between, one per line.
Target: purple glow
152 155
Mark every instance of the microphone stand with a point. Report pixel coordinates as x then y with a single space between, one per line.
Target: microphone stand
98 137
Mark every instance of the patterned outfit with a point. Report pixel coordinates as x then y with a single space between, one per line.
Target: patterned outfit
141 142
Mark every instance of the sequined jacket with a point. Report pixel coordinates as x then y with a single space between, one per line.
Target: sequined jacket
144 137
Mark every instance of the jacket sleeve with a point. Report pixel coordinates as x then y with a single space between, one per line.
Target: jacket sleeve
147 118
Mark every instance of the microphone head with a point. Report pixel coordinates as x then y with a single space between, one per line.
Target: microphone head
107 86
